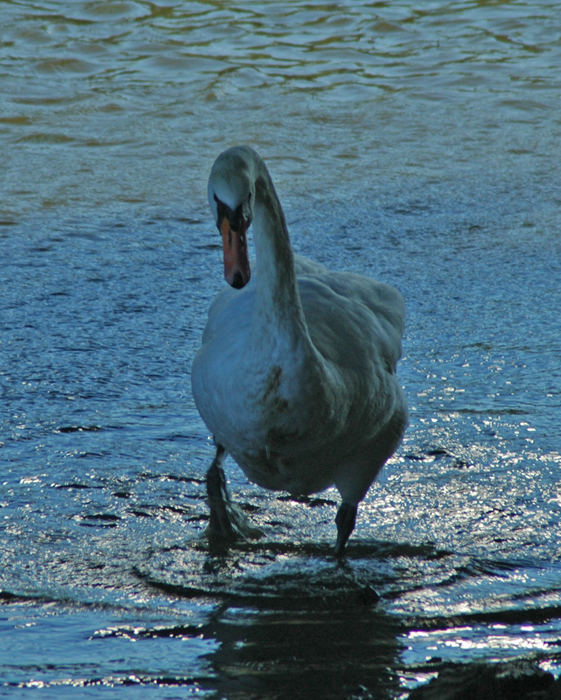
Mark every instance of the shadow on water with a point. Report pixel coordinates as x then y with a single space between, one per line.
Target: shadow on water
290 623
288 620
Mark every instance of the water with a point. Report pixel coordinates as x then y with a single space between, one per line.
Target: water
417 142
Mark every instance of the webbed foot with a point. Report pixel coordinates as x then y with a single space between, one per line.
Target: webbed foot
227 523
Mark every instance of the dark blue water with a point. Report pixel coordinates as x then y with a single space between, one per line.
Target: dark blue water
417 145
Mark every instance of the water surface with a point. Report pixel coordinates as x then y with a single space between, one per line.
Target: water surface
415 142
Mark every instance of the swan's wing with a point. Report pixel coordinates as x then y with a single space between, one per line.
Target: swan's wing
348 315
352 319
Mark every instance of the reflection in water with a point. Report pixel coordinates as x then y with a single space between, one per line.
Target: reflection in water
287 624
320 651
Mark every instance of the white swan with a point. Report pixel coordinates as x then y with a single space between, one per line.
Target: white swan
296 374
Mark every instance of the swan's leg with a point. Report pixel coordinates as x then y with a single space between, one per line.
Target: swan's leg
227 522
217 496
346 517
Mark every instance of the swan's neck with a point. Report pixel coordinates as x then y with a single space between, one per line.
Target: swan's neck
278 301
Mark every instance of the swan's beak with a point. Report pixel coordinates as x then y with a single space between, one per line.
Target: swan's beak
236 262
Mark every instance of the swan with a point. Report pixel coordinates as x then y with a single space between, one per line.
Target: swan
296 374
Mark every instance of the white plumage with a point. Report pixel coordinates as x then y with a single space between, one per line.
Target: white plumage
296 374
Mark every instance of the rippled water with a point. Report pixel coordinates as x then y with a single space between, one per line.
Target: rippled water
416 142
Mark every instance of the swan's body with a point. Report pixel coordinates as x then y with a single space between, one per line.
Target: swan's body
296 374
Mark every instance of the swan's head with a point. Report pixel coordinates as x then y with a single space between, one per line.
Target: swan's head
231 196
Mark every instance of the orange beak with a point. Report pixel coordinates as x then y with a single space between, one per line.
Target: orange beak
236 262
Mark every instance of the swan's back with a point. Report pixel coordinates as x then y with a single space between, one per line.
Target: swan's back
352 319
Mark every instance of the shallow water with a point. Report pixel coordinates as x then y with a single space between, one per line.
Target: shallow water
418 143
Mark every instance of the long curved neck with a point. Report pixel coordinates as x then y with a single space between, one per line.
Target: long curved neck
278 299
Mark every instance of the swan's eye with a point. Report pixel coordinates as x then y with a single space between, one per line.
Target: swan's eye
222 211
238 220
